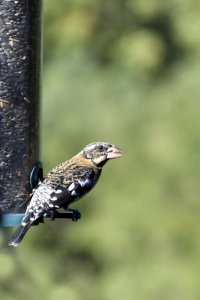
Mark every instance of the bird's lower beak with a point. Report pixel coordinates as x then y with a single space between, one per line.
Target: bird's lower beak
114 152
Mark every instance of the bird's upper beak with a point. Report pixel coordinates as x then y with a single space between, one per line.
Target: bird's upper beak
114 152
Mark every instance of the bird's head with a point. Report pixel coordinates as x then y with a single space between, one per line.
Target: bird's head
99 152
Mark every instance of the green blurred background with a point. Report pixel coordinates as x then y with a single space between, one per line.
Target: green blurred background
127 72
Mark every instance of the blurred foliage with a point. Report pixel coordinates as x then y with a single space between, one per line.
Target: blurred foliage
127 72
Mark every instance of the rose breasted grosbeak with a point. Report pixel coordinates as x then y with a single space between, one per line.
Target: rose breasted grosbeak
65 184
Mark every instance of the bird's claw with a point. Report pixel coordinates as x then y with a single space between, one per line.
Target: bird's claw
75 214
52 215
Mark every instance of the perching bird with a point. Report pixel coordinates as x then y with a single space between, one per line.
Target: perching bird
66 183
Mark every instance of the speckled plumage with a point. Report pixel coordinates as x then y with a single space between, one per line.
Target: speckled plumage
66 183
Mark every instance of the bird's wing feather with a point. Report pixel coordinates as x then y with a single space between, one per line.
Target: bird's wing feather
72 187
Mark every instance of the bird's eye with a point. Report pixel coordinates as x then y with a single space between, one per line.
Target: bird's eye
100 148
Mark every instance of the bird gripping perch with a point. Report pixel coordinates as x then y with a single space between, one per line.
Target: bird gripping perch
65 184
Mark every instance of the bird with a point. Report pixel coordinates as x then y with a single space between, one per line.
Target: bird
66 183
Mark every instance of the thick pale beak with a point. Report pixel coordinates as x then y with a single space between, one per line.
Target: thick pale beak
113 152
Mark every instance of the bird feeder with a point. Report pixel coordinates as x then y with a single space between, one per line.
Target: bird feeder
20 90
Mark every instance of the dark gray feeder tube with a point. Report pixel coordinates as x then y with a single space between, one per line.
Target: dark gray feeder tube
20 68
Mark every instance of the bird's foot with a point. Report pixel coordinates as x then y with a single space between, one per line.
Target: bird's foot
74 214
53 215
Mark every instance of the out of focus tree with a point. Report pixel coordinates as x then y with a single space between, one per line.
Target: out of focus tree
147 37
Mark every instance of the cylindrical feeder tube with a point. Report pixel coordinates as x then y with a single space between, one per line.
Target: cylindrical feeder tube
20 69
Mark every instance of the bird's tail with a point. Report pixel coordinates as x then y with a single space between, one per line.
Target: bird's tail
19 234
